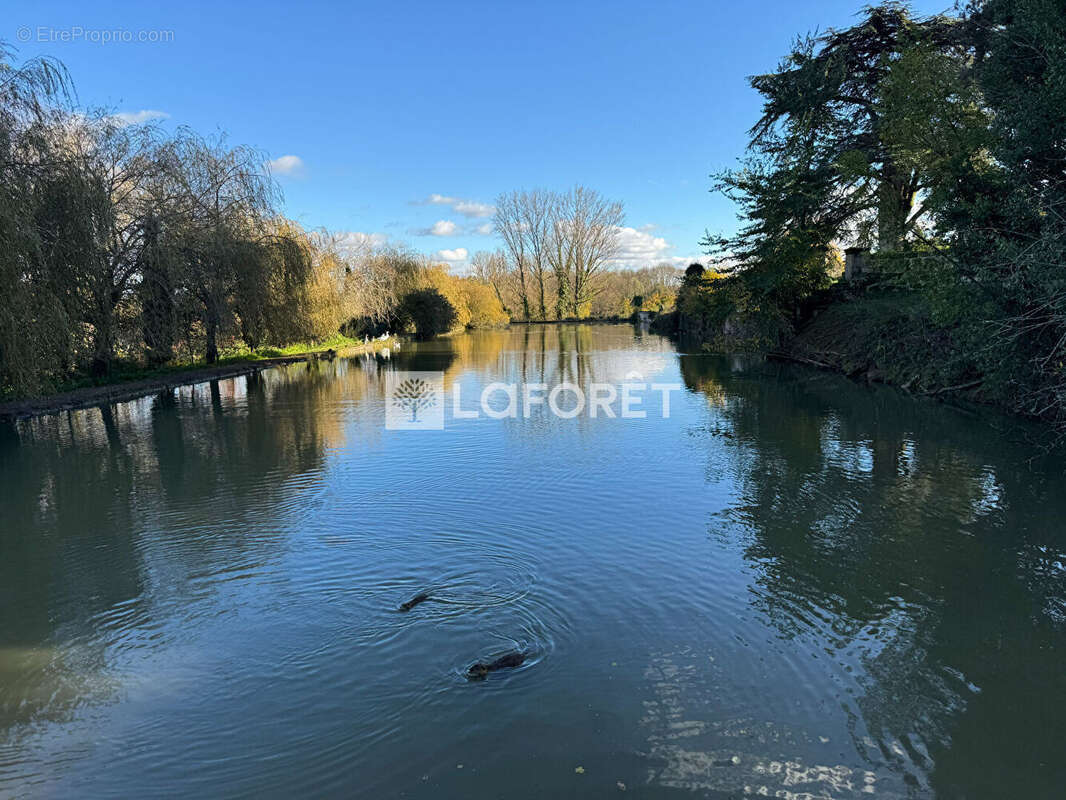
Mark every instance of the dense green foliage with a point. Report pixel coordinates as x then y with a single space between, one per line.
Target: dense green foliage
429 311
939 144
1000 228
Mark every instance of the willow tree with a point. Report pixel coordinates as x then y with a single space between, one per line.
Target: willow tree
226 198
273 285
36 334
108 166
379 279
156 293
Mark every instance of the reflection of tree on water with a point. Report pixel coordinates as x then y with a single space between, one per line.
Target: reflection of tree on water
67 555
93 499
550 355
530 354
908 541
435 355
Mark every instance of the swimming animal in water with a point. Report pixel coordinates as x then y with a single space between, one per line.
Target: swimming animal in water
421 597
480 670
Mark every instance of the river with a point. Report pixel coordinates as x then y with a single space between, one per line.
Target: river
791 585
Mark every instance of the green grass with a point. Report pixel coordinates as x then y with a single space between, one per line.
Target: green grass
336 342
126 371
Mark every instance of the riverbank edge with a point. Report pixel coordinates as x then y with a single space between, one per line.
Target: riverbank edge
887 338
871 337
574 321
121 392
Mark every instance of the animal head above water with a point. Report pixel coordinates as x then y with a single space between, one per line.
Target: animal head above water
414 601
478 672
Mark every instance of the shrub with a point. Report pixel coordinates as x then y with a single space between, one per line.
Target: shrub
448 285
484 307
429 311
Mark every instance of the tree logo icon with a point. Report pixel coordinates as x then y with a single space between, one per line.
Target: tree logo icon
414 395
414 400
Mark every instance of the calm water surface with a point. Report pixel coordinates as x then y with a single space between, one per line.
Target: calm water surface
793 586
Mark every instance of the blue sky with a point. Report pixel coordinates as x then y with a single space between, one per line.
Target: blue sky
390 105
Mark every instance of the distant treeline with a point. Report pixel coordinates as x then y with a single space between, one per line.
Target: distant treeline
558 251
608 293
939 144
125 245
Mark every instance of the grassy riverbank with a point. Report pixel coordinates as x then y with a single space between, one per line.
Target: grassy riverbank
608 320
123 372
128 382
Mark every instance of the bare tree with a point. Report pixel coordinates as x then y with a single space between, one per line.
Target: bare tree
491 268
569 237
560 252
523 220
585 241
536 211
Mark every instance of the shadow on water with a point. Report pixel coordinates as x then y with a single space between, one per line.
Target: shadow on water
921 553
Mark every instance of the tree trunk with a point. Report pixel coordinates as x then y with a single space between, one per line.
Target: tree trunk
496 289
251 331
211 326
525 301
103 340
101 363
894 203
157 301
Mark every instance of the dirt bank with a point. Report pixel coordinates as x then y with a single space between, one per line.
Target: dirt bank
887 338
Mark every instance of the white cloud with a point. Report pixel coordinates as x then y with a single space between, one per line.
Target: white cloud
637 247
443 227
457 255
139 117
286 165
468 208
485 229
684 261
354 243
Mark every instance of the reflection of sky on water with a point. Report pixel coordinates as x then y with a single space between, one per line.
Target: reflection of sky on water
794 585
